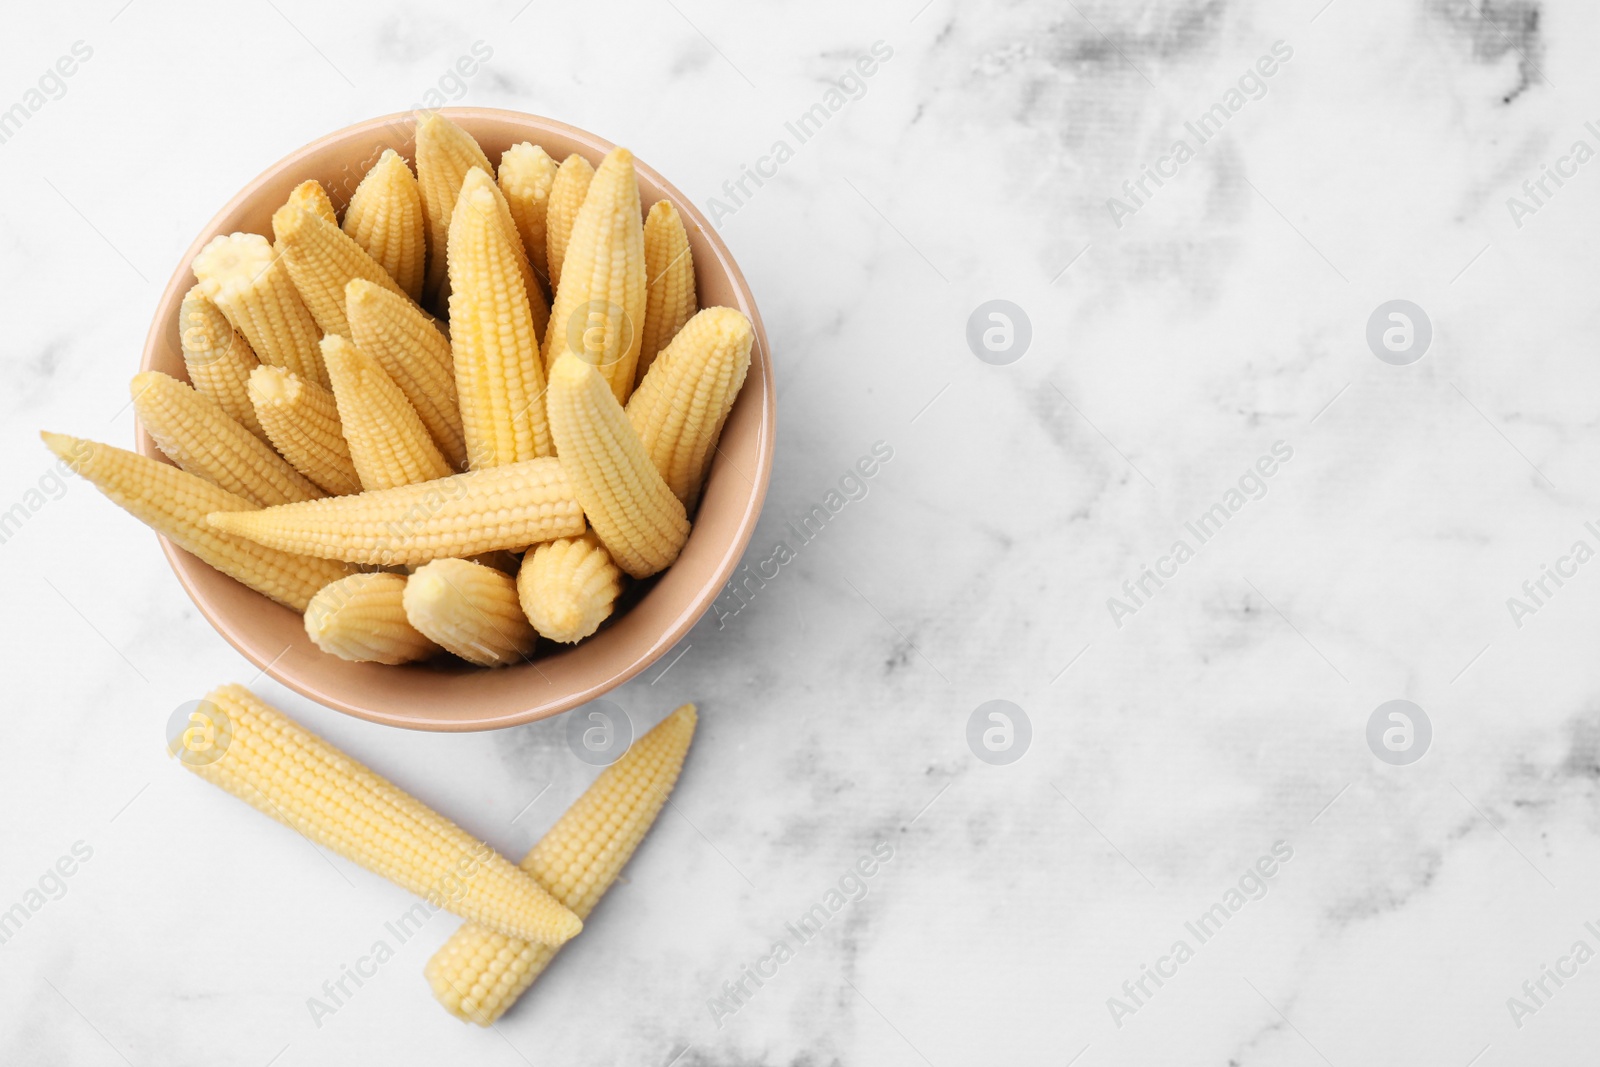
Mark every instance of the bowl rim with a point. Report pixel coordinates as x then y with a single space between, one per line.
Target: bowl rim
182 562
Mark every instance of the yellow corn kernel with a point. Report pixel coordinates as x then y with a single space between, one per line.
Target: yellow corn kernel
682 403
322 259
412 351
250 285
526 175
469 610
478 973
499 378
633 511
388 442
361 619
599 309
445 153
218 358
468 514
314 198
301 419
197 435
175 503
283 770
385 218
567 587
567 192
669 287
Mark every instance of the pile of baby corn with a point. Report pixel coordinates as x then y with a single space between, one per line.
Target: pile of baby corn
566 414
518 917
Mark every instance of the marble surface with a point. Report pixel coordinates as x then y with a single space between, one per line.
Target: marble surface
1175 741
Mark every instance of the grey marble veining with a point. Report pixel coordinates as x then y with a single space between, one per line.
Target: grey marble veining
1185 736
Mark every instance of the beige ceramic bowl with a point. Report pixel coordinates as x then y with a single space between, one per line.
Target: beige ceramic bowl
654 614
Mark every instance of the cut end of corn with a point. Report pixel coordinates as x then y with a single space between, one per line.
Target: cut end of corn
470 610
231 263
362 619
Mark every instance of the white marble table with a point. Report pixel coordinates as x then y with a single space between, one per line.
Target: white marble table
1177 737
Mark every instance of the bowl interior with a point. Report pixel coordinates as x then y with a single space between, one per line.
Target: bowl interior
456 697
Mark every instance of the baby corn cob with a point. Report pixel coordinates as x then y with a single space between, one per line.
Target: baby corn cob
361 618
387 440
470 610
599 309
301 420
314 198
412 351
283 770
197 435
249 284
445 153
385 218
499 377
478 974
633 510
526 174
175 504
567 192
322 259
567 587
682 403
512 507
218 358
669 288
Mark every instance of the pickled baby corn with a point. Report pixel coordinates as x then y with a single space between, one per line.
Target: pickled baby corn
412 351
568 587
250 285
470 610
387 440
499 377
445 153
510 507
283 770
175 504
361 619
669 286
218 358
314 198
631 507
478 973
197 435
322 259
599 308
526 175
682 403
567 192
385 219
301 419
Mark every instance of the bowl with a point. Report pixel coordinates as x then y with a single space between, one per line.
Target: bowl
655 614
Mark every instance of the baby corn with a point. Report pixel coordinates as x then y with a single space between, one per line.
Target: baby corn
197 435
361 619
301 419
469 610
669 287
250 285
387 440
499 378
283 770
599 308
322 259
478 973
445 153
567 587
510 507
175 504
218 358
385 218
526 175
412 351
567 192
682 403
631 507
314 198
